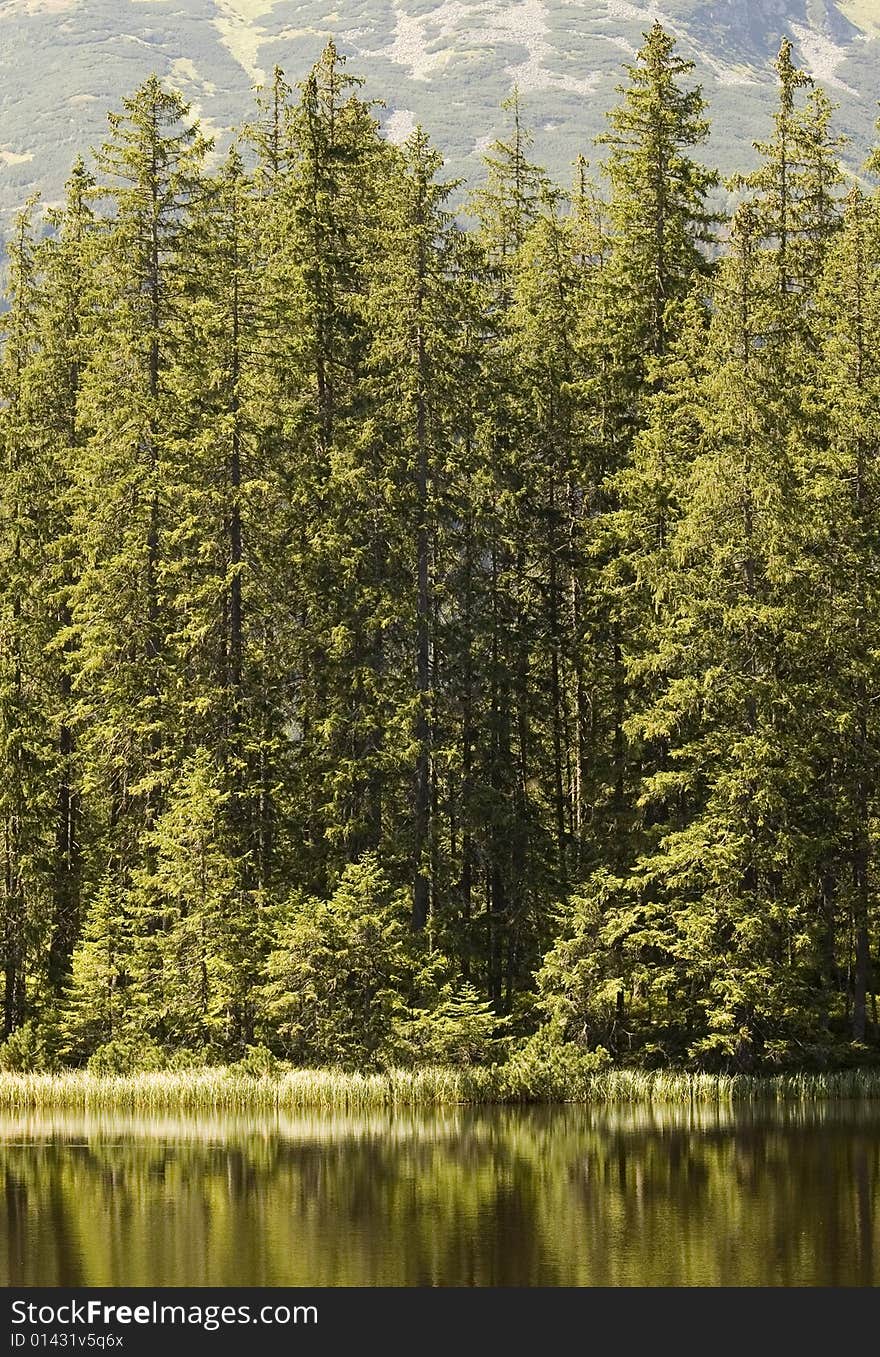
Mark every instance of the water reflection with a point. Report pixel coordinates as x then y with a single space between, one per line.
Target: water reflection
457 1196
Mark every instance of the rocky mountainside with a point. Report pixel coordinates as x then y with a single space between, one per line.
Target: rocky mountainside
445 63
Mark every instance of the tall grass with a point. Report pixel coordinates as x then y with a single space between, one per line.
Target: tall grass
228 1090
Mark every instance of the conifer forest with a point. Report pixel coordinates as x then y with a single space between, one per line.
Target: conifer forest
440 624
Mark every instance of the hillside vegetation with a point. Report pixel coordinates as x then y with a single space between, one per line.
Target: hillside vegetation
444 63
423 646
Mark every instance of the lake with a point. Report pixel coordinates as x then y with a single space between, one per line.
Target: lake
563 1196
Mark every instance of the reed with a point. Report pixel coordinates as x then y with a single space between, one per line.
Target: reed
230 1090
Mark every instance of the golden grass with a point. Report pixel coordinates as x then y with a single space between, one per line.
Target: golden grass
228 1090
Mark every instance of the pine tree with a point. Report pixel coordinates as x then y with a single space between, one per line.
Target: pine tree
660 226
461 1029
122 605
735 710
98 1005
270 134
840 554
27 756
411 306
660 221
507 206
338 971
794 192
68 265
194 974
224 680
329 207
511 198
549 282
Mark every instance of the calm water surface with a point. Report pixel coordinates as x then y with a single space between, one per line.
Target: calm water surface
499 1197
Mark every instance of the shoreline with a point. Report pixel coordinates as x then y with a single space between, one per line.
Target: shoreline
225 1088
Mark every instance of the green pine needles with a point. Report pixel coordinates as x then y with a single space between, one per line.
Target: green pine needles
439 660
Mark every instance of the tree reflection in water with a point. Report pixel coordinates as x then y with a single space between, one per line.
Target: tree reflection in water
579 1196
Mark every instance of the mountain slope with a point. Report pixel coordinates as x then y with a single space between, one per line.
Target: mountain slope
63 63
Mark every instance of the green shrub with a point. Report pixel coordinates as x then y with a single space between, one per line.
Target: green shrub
260 1063
461 1030
27 1051
126 1055
545 1069
186 1059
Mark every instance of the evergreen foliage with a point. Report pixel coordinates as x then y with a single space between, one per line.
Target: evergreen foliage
421 637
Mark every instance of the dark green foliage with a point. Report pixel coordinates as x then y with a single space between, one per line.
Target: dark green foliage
422 644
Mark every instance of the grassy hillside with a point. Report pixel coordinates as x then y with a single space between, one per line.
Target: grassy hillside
63 63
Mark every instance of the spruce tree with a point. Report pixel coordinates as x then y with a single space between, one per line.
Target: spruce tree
660 225
840 555
411 305
122 604
27 701
507 206
68 266
659 216
329 207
